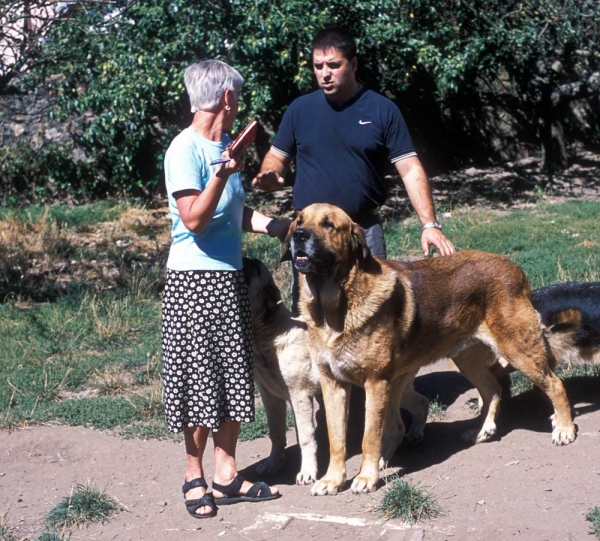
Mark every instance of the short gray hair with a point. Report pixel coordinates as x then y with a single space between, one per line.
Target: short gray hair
206 82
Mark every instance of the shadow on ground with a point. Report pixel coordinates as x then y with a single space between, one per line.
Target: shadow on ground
529 411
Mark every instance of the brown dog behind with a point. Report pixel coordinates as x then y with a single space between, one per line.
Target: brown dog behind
570 314
375 322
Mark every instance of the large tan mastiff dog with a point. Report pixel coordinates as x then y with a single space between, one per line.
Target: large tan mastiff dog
374 323
286 370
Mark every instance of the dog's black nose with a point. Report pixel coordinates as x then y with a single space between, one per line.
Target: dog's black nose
301 234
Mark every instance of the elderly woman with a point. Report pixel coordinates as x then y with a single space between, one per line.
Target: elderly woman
206 327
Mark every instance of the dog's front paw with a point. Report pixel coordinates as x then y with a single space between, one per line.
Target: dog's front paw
474 436
564 435
469 436
487 432
272 465
306 477
327 486
364 483
414 436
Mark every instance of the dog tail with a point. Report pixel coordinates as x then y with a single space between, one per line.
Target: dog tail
569 338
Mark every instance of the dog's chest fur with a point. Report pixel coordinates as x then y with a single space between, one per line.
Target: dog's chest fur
346 339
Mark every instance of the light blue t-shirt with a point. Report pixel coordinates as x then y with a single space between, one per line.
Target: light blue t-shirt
219 245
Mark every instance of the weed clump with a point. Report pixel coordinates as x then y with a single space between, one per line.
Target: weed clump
53 536
593 516
84 505
437 410
408 502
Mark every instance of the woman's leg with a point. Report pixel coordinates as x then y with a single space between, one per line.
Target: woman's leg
195 444
225 467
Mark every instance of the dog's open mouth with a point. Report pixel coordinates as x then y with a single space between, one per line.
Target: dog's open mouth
302 261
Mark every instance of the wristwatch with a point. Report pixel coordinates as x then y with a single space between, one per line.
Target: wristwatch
429 225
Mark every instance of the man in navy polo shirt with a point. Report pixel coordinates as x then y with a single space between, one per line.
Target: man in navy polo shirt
343 138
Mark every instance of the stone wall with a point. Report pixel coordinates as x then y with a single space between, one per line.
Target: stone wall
25 118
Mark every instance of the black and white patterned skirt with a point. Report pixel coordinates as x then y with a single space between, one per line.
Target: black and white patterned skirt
207 349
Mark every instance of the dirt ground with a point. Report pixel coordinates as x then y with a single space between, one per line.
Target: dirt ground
518 486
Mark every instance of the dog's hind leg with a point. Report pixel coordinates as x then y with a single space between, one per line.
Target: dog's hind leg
304 411
275 409
523 345
473 363
418 407
393 428
402 395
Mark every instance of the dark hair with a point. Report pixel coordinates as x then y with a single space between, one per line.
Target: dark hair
334 37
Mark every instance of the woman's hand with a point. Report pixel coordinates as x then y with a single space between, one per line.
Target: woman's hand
232 166
278 228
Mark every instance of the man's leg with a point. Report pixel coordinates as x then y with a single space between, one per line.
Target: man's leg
375 239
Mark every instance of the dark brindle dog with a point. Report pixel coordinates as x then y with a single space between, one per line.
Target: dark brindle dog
570 313
374 323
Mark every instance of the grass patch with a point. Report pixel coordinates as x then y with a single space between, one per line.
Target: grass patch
100 412
408 502
84 505
79 217
80 300
519 384
577 370
473 404
155 429
552 242
55 351
593 516
260 428
53 536
6 532
437 410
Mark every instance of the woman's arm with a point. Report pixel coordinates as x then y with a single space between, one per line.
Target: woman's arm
196 207
255 222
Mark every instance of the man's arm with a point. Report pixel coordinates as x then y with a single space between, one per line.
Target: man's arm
419 192
272 172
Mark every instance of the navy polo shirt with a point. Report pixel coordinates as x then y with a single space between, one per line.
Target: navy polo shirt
343 150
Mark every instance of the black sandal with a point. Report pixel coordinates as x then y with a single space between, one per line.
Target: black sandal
258 492
208 500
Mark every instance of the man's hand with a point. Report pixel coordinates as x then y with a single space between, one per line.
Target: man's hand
268 181
272 171
438 239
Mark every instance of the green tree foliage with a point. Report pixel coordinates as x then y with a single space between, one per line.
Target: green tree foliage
123 71
533 58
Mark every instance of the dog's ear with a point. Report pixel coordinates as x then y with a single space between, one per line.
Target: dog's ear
359 242
250 267
272 298
286 251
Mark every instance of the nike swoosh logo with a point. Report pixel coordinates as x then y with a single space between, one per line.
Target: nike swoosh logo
363 122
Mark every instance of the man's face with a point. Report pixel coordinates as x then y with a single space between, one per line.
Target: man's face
335 74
